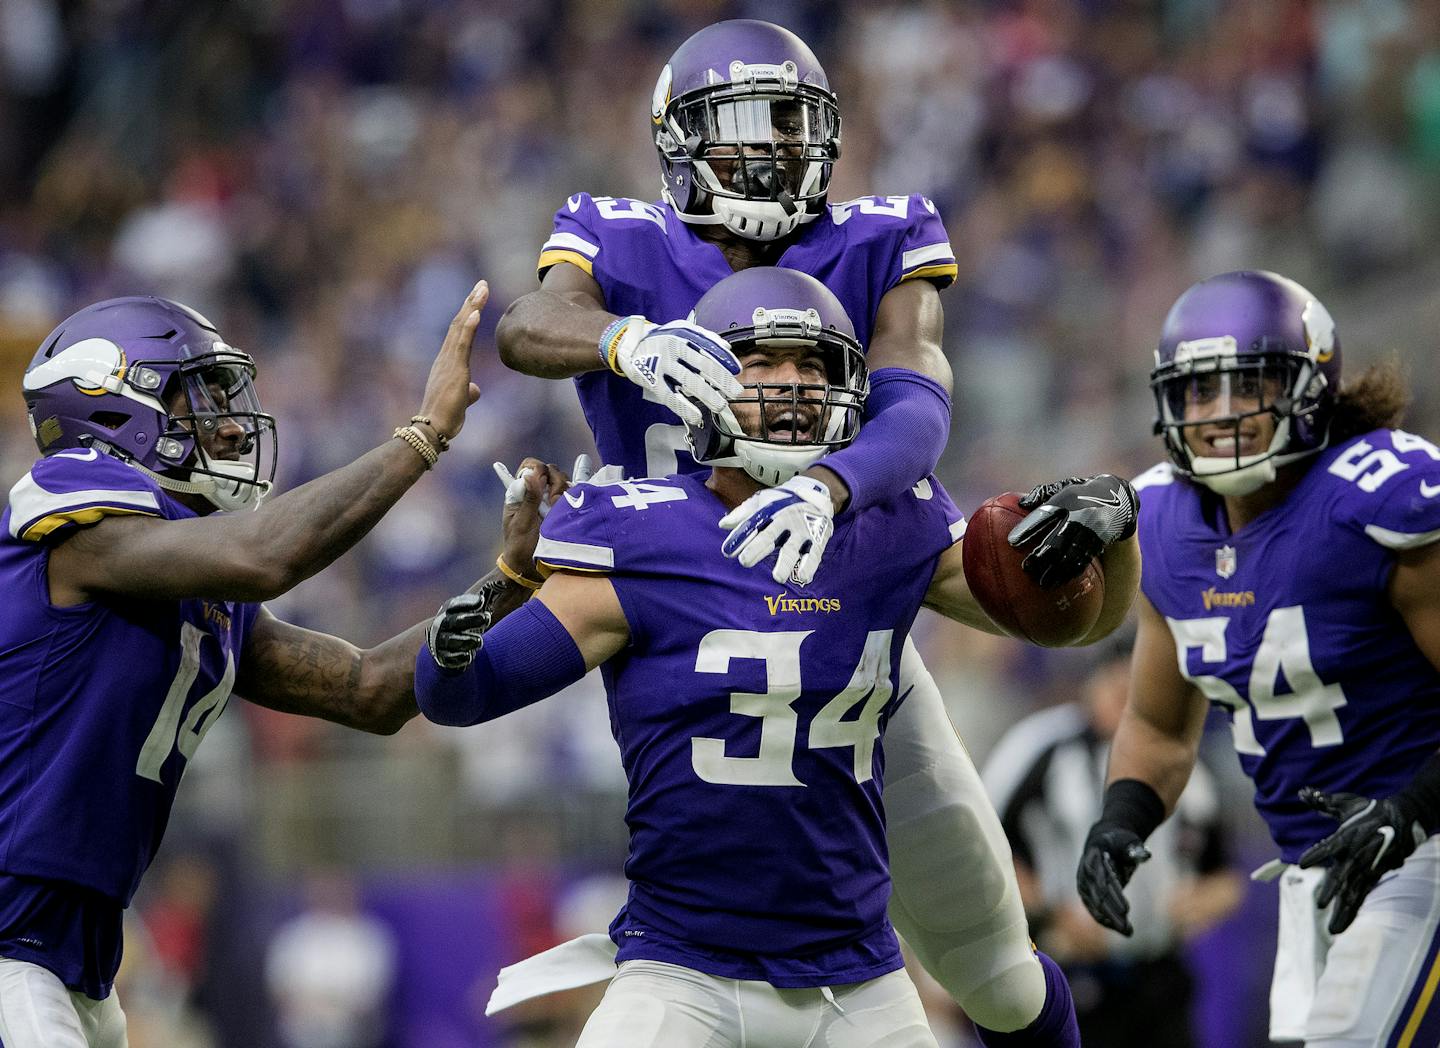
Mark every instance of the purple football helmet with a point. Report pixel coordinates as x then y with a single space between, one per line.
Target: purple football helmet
799 422
1237 346
747 129
138 378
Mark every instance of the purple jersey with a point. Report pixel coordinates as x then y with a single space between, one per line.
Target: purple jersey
1287 624
749 717
647 261
101 704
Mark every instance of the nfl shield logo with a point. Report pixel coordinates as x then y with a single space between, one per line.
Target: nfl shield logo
1225 563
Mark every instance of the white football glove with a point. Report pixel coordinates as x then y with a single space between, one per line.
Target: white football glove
514 483
679 364
794 520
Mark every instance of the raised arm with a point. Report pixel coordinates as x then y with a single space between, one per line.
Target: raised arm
563 330
260 555
907 415
554 332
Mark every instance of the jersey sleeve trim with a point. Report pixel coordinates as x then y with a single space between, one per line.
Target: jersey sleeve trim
36 512
554 258
942 275
1400 539
958 528
555 554
932 262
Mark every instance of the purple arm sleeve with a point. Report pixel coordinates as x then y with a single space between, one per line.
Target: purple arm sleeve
527 656
906 425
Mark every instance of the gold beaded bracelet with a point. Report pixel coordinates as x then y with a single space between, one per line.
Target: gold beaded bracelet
440 438
514 576
416 439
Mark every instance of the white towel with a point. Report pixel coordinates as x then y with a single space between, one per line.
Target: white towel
579 962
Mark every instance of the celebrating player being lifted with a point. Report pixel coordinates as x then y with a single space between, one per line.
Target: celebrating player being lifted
1292 577
748 131
751 727
131 609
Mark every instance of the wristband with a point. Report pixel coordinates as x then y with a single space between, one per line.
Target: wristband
610 340
440 438
514 576
1133 805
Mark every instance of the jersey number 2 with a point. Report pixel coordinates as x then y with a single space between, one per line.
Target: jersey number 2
168 731
773 765
1285 648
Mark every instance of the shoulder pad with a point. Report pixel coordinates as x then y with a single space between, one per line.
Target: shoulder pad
576 534
624 526
77 488
1388 483
584 223
908 226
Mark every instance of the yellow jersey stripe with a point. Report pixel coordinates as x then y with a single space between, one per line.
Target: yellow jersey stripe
550 258
944 273
547 568
83 517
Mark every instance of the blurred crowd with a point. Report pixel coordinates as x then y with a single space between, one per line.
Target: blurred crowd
326 178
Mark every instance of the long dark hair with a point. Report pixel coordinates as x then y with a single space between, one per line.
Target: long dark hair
1377 399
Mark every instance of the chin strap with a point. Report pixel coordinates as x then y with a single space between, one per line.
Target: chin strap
247 492
759 227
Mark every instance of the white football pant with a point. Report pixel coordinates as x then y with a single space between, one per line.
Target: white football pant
37 1011
955 898
1374 984
651 1004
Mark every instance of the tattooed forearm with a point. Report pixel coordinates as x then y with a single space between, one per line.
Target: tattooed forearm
300 671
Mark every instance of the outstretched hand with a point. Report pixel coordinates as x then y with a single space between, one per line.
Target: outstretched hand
529 493
448 390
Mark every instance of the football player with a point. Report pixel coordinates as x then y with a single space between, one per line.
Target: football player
132 609
748 131
750 714
1292 577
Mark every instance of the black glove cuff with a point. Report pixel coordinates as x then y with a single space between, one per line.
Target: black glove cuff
1133 805
1424 792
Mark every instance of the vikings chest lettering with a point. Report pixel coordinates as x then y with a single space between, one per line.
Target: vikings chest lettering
781 604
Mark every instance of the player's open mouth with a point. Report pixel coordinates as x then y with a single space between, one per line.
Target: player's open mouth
1225 445
789 425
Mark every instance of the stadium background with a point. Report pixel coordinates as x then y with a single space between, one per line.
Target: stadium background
326 178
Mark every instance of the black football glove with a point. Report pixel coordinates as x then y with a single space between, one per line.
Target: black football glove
457 631
1106 865
1375 837
1078 519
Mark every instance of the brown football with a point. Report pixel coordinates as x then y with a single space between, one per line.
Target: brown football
1051 617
